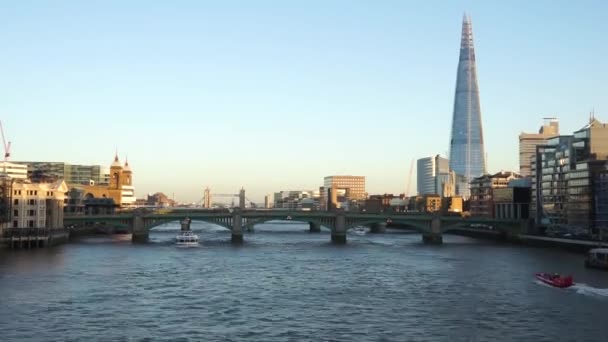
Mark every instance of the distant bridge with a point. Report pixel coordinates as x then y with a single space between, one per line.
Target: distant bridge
431 227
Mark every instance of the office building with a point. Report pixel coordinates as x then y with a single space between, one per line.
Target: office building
434 177
467 156
71 173
569 181
13 170
345 190
482 192
529 141
297 200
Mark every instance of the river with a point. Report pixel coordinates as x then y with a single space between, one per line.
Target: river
285 284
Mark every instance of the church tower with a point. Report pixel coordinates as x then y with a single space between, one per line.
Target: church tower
116 174
127 174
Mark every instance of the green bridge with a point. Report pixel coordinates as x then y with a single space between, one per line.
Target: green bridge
431 227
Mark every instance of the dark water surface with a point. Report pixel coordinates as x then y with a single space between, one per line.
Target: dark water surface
285 284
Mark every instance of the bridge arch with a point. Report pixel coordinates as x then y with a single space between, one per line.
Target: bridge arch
252 222
421 227
150 224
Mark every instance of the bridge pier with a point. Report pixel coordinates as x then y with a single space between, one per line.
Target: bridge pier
237 229
338 233
140 233
379 227
314 227
434 235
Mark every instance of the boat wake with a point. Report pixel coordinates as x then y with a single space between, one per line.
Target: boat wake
587 290
582 289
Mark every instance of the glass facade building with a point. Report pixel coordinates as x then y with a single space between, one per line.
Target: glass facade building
432 173
569 181
467 156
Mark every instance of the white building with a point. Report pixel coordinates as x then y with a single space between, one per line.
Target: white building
37 205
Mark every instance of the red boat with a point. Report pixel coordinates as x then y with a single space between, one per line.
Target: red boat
555 279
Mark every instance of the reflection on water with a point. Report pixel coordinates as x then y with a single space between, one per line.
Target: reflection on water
287 284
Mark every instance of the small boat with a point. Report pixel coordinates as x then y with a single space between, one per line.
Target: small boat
555 279
597 258
186 238
360 230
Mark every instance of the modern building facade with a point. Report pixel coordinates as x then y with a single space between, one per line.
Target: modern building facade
529 141
512 202
297 199
432 173
570 174
13 170
71 173
344 190
467 156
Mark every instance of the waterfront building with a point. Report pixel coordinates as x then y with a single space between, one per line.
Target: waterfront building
120 188
569 181
345 191
512 203
384 203
529 141
71 173
297 200
428 203
467 158
482 192
13 170
37 205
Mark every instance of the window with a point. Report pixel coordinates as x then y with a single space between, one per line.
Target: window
32 202
15 224
15 213
31 213
30 224
16 202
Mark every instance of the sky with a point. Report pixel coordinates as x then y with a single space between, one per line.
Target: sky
275 95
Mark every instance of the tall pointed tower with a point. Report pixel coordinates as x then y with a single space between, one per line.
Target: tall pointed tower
467 158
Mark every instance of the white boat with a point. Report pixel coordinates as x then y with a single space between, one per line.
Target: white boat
360 230
186 238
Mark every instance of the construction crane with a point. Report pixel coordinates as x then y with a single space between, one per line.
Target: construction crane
6 183
7 146
409 179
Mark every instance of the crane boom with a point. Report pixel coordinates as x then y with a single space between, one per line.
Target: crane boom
409 179
7 146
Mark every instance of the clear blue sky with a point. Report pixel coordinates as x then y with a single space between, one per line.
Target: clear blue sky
275 95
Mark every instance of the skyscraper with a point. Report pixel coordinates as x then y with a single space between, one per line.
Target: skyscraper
432 173
467 157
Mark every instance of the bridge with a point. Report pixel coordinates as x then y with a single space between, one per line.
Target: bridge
237 221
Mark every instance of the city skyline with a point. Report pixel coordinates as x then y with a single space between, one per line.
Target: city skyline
209 95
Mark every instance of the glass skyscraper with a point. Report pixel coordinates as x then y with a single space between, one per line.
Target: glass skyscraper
467 158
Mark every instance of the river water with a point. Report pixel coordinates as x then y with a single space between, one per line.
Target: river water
285 284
